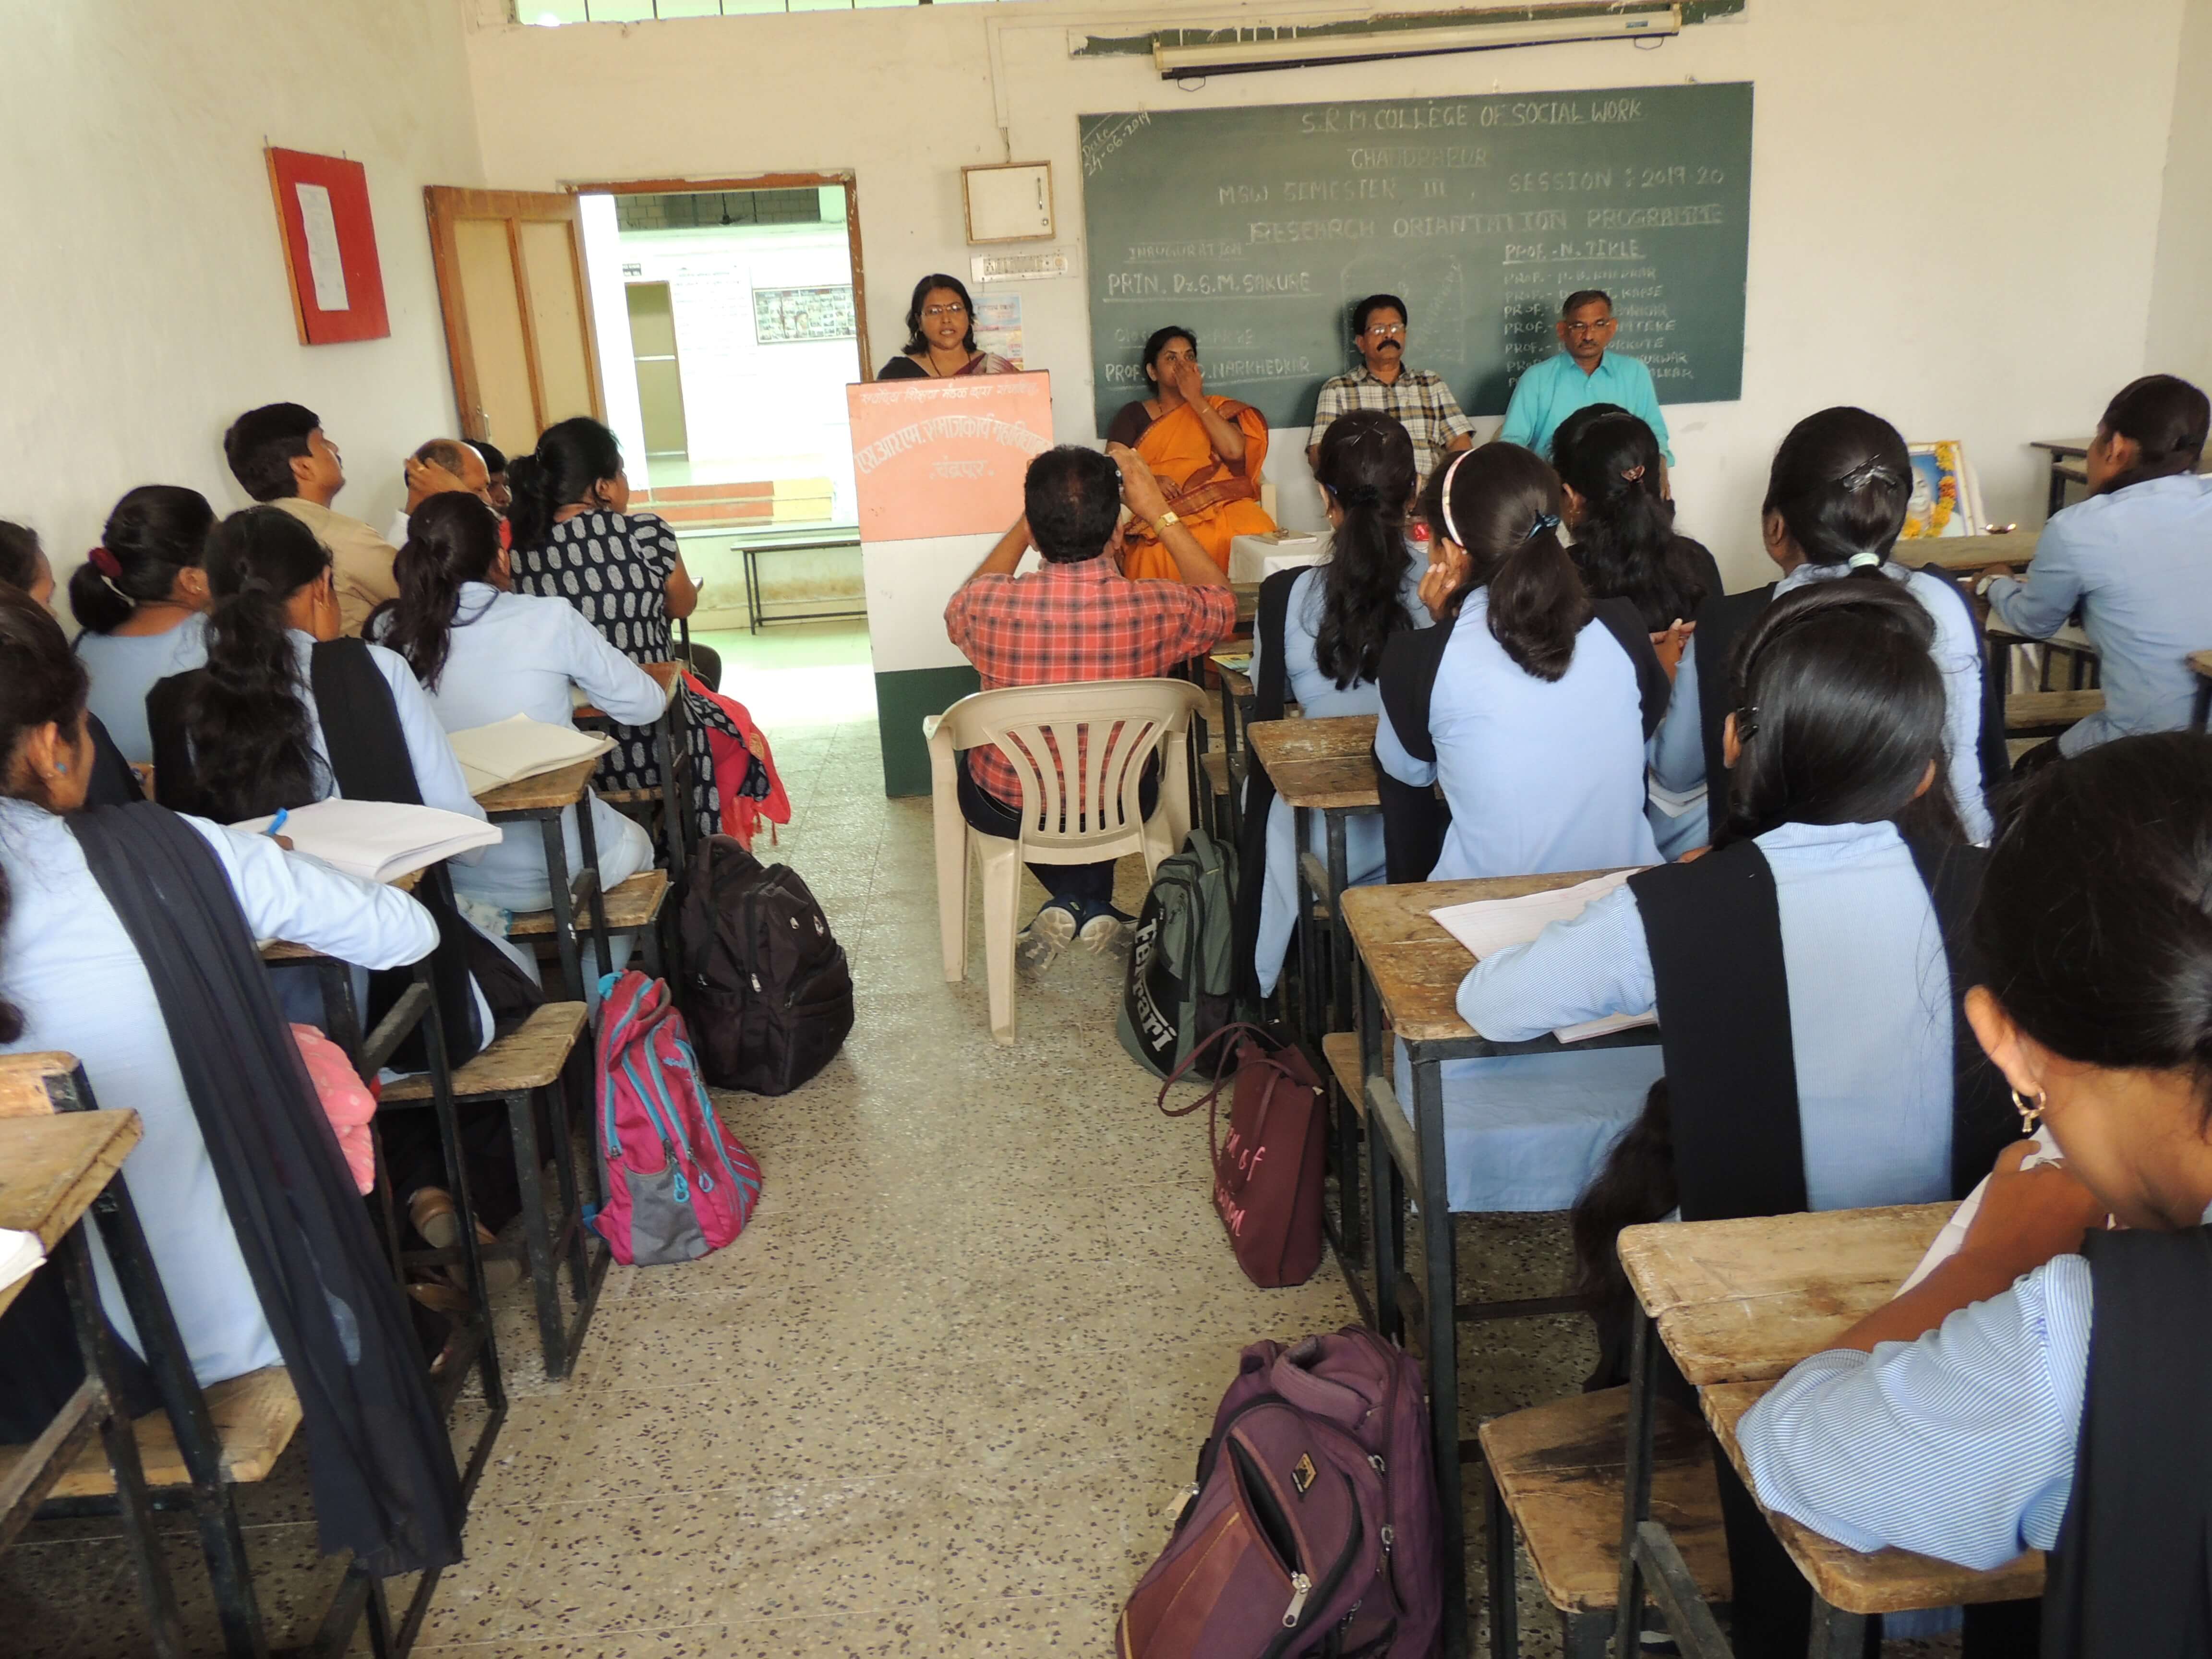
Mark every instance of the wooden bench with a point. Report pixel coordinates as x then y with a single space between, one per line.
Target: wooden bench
632 907
523 1068
1556 1475
255 1417
2043 713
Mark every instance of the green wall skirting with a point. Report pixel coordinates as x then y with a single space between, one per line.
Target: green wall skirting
902 699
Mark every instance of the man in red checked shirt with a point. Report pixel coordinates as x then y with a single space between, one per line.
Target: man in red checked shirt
1078 618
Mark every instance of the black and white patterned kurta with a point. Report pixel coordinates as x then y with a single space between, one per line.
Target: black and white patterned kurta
613 568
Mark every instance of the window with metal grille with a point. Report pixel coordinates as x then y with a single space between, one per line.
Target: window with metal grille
710 210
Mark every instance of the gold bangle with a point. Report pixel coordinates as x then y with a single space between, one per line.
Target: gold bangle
1165 519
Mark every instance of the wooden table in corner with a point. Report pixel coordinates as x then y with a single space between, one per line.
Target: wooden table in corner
1411 969
1324 766
55 1165
1736 1304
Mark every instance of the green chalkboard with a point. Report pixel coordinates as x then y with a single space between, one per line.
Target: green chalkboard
1256 227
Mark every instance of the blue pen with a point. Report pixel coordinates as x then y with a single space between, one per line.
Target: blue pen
277 823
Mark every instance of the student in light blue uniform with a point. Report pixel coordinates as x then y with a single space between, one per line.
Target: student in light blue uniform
71 980
142 598
485 654
1340 614
2135 560
1530 705
1533 713
1626 547
1583 373
1805 998
2051 1370
249 737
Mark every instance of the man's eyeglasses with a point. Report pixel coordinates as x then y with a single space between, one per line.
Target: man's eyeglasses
1387 330
1599 327
945 310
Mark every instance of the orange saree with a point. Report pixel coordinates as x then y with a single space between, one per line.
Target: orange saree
1215 501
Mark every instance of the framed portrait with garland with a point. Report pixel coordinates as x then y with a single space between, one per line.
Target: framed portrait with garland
1946 501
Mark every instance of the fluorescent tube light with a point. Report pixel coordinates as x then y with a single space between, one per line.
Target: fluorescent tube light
1290 50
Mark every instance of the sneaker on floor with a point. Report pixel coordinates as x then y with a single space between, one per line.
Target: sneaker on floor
1105 932
1049 932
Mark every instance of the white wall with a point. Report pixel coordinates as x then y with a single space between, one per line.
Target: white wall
2178 337
143 282
1956 207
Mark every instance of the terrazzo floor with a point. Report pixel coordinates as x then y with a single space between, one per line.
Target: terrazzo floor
937 1400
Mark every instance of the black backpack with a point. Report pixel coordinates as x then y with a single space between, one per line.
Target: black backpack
767 992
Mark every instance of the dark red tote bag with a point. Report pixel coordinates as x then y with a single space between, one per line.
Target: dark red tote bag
1267 1174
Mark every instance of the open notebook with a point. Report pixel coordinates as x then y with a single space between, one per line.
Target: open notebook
378 840
521 747
1488 926
20 1254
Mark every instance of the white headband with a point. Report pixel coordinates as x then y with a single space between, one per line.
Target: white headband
1443 493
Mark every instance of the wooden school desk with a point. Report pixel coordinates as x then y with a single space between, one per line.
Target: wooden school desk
2067 455
543 798
669 745
54 1166
1324 766
1967 555
1412 971
1736 1304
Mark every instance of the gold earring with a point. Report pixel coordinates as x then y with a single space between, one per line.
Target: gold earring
2030 1116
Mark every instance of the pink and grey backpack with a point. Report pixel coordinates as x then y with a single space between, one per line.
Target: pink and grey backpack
677 1184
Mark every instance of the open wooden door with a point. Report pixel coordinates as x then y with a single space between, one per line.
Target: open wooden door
517 311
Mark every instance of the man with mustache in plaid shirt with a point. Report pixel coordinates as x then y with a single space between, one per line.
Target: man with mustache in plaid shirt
1078 618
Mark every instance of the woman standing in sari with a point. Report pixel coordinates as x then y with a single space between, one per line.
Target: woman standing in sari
1206 453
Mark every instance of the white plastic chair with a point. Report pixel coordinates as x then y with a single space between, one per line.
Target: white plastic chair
1116 727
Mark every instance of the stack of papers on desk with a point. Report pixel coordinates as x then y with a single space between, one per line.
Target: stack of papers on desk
20 1253
378 840
1488 926
521 747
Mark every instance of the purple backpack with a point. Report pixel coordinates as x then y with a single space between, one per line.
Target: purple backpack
1314 1524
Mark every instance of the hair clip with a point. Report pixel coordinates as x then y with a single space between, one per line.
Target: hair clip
1544 522
1747 724
1866 472
1865 561
1633 473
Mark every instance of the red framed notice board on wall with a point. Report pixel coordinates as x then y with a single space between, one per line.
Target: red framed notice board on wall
330 247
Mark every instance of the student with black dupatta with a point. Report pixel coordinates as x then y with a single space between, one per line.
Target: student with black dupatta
1808 973
2045 1387
127 938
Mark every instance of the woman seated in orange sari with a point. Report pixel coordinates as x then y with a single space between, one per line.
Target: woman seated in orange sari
1206 453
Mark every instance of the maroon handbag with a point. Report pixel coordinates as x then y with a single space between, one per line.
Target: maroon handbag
1268 1175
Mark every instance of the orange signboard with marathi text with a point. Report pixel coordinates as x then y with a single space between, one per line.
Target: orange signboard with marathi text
946 457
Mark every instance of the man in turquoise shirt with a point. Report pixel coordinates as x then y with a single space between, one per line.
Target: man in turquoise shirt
1582 374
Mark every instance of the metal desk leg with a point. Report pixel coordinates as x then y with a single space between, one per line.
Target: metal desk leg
587 837
752 590
564 916
1836 1634
97 1344
1339 936
1498 1554
222 1539
1636 1496
1441 1274
1384 1205
2200 709
2057 490
1309 954
457 1178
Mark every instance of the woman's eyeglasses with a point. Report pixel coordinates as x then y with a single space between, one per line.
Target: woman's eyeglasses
945 310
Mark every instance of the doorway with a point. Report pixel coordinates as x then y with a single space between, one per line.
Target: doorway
729 317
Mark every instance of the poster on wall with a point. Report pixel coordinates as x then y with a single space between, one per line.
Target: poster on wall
330 247
946 457
999 325
1944 500
790 316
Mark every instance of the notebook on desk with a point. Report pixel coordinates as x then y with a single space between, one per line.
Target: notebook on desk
378 840
521 747
1488 926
